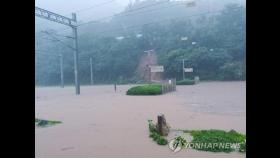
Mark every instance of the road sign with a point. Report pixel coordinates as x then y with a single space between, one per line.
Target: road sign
157 68
184 38
188 69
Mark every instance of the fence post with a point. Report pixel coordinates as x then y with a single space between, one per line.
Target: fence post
171 86
167 87
175 84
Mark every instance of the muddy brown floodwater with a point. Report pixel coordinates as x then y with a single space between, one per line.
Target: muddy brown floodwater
103 124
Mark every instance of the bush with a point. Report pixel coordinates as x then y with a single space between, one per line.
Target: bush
152 127
153 89
155 135
186 82
162 141
242 147
232 71
218 136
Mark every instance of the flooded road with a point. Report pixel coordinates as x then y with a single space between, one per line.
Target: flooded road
101 123
228 98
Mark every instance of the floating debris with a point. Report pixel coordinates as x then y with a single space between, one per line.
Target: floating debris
44 123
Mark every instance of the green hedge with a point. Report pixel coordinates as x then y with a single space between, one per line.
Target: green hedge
161 140
153 89
186 82
218 136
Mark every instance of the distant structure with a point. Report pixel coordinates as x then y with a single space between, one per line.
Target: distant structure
143 69
190 3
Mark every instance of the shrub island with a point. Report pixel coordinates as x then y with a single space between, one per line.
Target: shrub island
151 89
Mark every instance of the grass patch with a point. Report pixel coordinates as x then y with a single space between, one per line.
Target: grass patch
155 135
186 82
218 139
43 123
152 89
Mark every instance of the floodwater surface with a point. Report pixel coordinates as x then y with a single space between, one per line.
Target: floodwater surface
103 123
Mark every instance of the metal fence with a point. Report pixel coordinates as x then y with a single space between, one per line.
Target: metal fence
168 85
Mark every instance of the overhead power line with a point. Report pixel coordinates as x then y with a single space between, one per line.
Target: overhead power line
120 14
58 40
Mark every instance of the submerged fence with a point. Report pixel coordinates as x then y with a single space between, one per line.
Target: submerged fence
167 85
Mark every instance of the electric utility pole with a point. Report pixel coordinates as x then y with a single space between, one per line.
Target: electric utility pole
61 71
76 57
71 22
91 74
183 69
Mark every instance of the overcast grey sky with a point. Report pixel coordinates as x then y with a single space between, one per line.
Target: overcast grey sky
109 7
67 6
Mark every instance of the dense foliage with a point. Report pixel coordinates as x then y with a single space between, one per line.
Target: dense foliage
218 137
212 43
186 82
161 140
152 89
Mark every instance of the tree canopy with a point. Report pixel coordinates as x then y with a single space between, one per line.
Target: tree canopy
213 43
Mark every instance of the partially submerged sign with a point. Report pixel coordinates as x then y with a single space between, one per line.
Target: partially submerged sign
158 68
188 69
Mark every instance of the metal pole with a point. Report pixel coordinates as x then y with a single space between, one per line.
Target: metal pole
175 84
42 13
91 75
76 64
183 69
150 74
61 71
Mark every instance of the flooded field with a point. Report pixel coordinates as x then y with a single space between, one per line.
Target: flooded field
228 98
102 123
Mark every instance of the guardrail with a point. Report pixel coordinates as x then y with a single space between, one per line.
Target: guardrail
168 85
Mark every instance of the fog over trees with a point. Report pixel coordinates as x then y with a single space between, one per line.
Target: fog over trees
210 36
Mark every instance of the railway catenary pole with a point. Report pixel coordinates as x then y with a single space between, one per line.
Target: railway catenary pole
61 71
71 22
91 73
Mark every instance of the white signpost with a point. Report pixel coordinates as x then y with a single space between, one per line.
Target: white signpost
157 68
188 69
